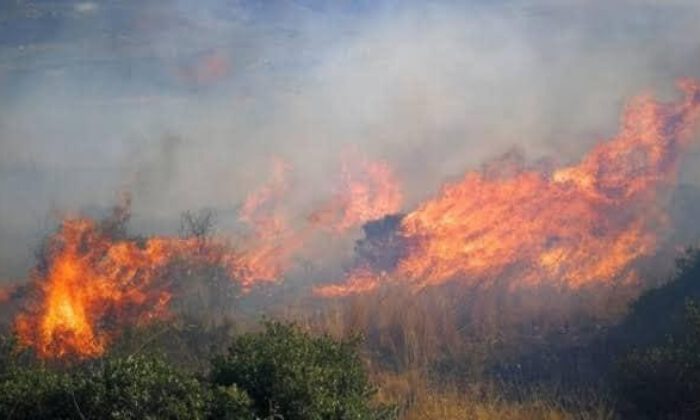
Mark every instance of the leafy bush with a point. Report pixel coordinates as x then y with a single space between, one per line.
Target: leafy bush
230 403
121 388
289 373
142 387
280 372
37 394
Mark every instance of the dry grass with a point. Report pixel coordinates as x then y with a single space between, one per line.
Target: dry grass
455 406
415 343
417 399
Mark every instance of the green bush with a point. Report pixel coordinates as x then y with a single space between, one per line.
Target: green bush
121 388
291 374
37 394
281 372
230 403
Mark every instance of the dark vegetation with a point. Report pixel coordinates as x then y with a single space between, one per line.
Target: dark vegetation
658 374
443 353
280 372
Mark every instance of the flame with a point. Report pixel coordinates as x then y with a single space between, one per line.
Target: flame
5 293
369 190
10 290
358 281
578 225
269 250
96 280
266 260
260 209
93 286
581 224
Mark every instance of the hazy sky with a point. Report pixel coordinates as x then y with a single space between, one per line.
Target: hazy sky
183 103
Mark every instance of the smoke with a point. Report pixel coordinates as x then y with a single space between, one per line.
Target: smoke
184 103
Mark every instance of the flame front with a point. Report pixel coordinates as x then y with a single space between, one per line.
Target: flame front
577 225
93 283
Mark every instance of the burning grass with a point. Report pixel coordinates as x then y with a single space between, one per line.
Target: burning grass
577 225
504 272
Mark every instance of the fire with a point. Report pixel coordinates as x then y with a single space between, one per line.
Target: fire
266 260
260 209
5 293
358 281
368 191
268 251
94 284
95 280
578 225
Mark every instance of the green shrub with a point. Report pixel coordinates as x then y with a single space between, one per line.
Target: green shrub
291 374
230 403
120 388
281 372
37 394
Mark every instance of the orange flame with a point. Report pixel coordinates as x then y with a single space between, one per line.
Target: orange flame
261 207
358 281
94 283
369 190
93 286
5 293
578 225
266 260
269 250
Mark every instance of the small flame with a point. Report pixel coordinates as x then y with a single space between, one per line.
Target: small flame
369 190
5 293
269 250
361 280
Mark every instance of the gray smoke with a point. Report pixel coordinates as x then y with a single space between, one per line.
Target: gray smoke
183 103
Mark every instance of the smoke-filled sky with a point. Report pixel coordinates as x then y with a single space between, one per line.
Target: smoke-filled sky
184 103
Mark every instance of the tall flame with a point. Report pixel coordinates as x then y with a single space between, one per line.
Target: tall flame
92 286
577 225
